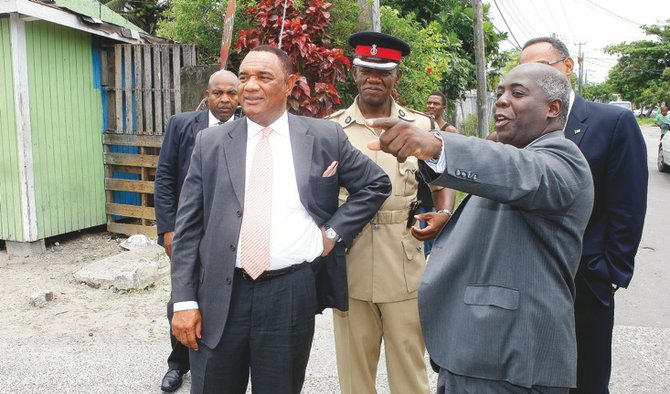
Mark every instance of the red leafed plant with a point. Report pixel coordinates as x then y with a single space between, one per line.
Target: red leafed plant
305 41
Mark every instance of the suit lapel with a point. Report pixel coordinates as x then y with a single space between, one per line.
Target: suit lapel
302 144
575 127
201 122
235 142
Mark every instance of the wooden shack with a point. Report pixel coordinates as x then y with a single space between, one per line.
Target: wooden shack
52 175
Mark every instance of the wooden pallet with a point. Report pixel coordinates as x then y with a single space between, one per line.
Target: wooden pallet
125 218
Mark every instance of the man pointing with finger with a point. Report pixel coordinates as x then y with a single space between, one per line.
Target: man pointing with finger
496 300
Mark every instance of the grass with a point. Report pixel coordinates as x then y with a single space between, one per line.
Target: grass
646 121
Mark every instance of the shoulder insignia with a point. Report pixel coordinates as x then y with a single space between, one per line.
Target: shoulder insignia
418 112
335 114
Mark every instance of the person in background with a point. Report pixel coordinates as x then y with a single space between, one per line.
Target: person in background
435 106
173 162
437 103
385 262
662 120
614 147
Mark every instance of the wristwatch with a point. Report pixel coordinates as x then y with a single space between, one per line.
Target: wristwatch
331 234
445 211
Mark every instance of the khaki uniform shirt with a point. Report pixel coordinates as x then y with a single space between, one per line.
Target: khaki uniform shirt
385 262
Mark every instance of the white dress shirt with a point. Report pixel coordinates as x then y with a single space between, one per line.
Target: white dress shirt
213 121
300 242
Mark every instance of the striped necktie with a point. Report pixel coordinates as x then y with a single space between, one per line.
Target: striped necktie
255 252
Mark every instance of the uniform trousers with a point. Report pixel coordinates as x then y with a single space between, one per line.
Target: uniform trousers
268 334
450 383
358 338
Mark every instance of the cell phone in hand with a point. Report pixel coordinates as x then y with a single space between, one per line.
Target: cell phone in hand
413 208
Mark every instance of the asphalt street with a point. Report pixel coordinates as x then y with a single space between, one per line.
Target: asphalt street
135 363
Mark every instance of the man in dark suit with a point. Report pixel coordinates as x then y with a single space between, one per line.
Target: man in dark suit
612 142
497 309
173 162
259 231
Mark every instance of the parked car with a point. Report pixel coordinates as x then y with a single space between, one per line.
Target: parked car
664 153
623 104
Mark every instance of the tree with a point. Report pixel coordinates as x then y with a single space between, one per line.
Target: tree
144 14
200 22
600 92
307 44
642 74
455 21
428 60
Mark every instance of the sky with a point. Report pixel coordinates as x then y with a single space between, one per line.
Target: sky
594 23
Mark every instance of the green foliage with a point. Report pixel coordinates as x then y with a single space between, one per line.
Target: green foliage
200 22
469 126
455 23
144 14
601 92
427 62
641 74
305 40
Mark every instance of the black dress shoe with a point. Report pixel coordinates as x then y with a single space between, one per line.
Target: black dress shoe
172 380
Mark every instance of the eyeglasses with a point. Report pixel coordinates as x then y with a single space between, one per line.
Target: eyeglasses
552 63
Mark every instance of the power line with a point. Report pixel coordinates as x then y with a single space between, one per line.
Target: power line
612 13
532 3
513 17
567 21
518 46
522 18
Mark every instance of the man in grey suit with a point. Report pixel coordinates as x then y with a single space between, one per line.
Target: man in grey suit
258 226
496 300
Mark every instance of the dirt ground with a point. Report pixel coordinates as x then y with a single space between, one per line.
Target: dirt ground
77 310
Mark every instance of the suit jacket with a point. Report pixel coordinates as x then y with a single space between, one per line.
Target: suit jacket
613 144
173 163
211 210
496 299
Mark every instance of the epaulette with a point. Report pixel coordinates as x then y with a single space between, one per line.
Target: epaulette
419 113
335 114
433 125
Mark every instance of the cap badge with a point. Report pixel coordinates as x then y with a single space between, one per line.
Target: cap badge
373 50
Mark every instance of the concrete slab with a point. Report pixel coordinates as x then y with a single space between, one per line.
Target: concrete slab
25 249
132 270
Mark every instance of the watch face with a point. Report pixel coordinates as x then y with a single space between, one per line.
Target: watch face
331 234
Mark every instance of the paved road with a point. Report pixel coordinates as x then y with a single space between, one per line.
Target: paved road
131 363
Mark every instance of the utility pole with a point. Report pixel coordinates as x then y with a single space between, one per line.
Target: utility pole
580 62
369 16
480 62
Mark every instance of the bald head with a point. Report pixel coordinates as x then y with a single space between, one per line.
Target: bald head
224 74
550 51
532 100
221 94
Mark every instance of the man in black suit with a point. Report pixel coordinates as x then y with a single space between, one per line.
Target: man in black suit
173 164
260 241
611 140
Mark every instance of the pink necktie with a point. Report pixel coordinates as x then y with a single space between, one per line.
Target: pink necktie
255 253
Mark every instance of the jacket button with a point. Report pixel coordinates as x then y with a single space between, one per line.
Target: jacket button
228 281
232 247
239 214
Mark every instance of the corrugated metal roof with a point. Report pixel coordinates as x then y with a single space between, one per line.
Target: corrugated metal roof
94 9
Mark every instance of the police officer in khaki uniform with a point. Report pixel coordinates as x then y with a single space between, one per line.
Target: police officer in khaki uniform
386 260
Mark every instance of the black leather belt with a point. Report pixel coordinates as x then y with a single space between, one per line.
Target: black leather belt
267 275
